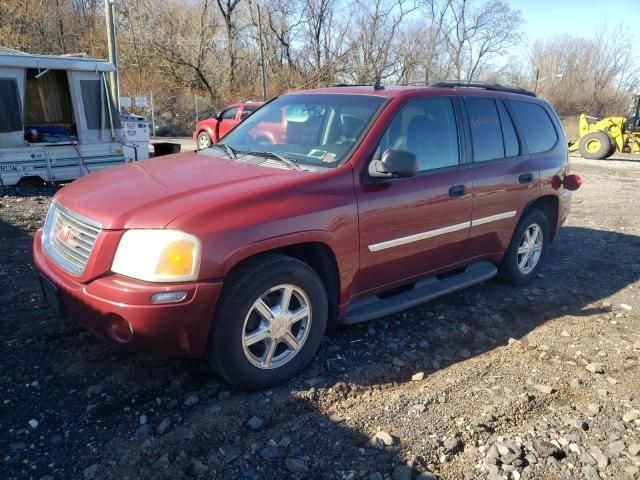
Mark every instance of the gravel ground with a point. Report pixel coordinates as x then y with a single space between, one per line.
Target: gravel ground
494 382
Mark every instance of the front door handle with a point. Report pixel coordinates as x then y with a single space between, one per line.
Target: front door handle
526 178
457 191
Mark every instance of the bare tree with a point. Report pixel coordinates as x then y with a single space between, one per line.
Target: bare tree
478 34
375 28
227 9
593 75
182 48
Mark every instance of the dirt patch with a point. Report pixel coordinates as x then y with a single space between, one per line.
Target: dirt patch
539 382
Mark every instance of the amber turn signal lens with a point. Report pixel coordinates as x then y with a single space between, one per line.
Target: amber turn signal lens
176 259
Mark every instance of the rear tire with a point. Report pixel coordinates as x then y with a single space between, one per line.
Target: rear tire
596 146
253 341
529 241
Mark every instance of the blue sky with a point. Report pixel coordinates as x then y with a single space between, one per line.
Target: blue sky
545 18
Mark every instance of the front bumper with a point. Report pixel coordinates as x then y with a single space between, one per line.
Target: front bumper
177 329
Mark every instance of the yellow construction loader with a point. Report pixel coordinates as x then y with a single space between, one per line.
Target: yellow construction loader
601 138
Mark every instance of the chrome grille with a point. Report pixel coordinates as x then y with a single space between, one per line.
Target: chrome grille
69 238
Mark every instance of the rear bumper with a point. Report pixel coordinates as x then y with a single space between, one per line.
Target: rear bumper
564 206
177 329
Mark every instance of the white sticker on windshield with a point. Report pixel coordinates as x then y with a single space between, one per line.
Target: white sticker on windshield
317 153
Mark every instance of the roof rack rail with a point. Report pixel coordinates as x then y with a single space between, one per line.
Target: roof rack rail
486 85
376 86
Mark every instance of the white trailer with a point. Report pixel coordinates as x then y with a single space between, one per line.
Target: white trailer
58 121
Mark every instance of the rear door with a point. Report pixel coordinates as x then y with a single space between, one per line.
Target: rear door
11 102
505 177
412 226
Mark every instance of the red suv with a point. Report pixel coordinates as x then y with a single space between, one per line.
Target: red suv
372 200
211 129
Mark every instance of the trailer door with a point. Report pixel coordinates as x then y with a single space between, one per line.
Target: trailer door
11 102
96 119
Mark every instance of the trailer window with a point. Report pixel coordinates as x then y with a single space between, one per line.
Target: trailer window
47 99
10 107
92 101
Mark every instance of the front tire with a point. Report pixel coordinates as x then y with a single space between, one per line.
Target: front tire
526 250
204 141
269 322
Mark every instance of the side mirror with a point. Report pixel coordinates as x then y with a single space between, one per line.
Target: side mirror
394 163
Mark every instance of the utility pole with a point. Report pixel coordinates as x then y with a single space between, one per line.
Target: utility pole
535 86
113 53
153 117
264 71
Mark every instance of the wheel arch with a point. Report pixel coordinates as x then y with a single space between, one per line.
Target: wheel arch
317 254
549 205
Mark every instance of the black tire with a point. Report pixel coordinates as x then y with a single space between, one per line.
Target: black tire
509 270
203 138
596 146
225 350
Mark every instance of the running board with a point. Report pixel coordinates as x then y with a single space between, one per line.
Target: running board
372 307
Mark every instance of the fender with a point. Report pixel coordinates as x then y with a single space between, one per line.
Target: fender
347 264
268 244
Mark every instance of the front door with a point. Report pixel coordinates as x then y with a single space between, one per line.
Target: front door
228 120
412 226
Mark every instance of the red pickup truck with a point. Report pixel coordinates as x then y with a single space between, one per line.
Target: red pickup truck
211 129
370 201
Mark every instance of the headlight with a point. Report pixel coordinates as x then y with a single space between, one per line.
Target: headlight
158 256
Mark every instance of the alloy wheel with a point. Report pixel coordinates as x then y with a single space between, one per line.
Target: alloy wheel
203 141
530 248
276 326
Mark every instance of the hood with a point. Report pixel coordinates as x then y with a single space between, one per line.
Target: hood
151 193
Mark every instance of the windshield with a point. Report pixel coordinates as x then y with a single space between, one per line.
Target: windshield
311 129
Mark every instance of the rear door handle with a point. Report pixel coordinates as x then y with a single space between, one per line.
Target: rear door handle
457 191
526 178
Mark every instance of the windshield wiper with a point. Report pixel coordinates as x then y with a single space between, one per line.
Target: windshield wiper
292 164
229 150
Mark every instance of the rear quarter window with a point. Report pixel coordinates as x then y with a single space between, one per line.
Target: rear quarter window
535 126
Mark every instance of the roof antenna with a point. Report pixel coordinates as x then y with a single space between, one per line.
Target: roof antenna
378 85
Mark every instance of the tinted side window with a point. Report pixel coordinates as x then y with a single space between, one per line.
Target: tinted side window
230 114
511 145
535 125
427 128
486 134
